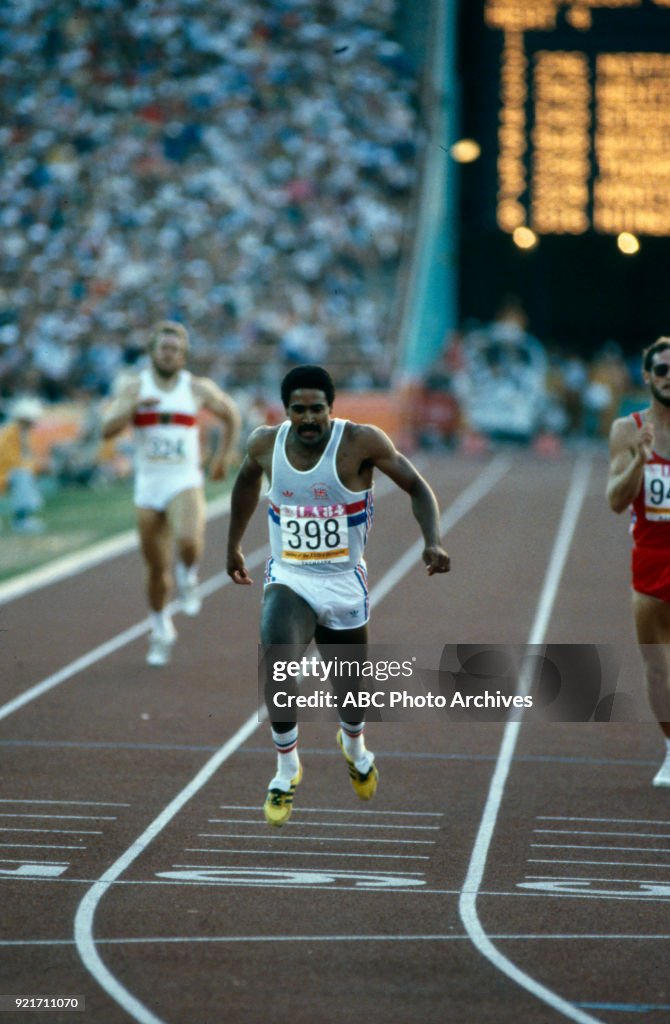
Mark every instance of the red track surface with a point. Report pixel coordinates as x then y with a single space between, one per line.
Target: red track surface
323 921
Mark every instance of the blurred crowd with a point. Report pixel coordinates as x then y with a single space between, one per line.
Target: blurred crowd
497 380
243 167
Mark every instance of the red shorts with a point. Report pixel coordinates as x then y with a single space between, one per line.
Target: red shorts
651 572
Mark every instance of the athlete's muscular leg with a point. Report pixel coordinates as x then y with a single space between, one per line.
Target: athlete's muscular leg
154 533
288 624
652 625
186 516
350 645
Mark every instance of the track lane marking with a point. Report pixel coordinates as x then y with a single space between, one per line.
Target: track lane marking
76 562
498 936
83 924
325 824
591 846
205 589
611 821
104 650
320 853
320 839
339 810
471 887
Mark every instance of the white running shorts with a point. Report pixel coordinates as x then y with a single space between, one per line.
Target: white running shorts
157 490
340 599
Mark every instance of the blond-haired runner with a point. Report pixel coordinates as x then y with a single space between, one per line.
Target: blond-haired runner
162 403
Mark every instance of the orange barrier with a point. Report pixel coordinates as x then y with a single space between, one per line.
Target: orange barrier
392 411
59 425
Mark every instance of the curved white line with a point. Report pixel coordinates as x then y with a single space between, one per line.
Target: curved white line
471 887
83 923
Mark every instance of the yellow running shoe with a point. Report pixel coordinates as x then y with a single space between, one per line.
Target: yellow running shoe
278 804
364 784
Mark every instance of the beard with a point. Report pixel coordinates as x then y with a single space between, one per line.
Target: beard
660 396
163 373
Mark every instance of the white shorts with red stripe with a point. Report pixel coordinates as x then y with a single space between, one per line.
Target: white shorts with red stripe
340 600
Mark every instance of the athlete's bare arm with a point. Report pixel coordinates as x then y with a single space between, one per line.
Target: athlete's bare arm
630 447
245 496
210 396
375 449
122 408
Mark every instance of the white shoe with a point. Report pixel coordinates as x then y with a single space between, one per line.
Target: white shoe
160 648
189 599
662 776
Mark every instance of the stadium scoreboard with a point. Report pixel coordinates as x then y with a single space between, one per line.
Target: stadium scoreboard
581 130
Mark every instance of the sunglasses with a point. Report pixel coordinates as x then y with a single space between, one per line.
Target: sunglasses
661 369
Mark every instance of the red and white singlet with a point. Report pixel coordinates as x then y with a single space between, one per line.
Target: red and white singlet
650 528
167 442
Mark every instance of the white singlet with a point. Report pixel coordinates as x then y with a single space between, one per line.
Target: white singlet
318 531
167 442
316 523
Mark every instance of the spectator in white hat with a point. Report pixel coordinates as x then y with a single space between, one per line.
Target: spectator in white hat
17 466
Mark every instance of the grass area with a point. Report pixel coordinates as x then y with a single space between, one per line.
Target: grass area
75 518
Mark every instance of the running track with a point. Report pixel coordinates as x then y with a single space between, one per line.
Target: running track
502 874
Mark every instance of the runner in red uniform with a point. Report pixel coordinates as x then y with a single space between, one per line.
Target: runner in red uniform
639 478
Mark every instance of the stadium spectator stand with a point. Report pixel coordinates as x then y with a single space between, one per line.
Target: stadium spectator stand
245 167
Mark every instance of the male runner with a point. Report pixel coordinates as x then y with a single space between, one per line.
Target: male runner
320 471
162 402
639 477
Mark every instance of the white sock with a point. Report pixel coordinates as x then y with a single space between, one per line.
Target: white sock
161 623
353 744
186 575
667 746
288 762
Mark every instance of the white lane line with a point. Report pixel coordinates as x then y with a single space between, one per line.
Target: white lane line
320 839
62 817
467 500
464 503
82 803
499 937
472 885
25 860
320 853
596 878
205 589
601 863
590 846
83 923
116 643
585 832
79 561
327 824
53 831
38 846
337 810
608 821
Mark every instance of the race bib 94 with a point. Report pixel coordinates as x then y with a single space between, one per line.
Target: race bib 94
313 533
657 492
